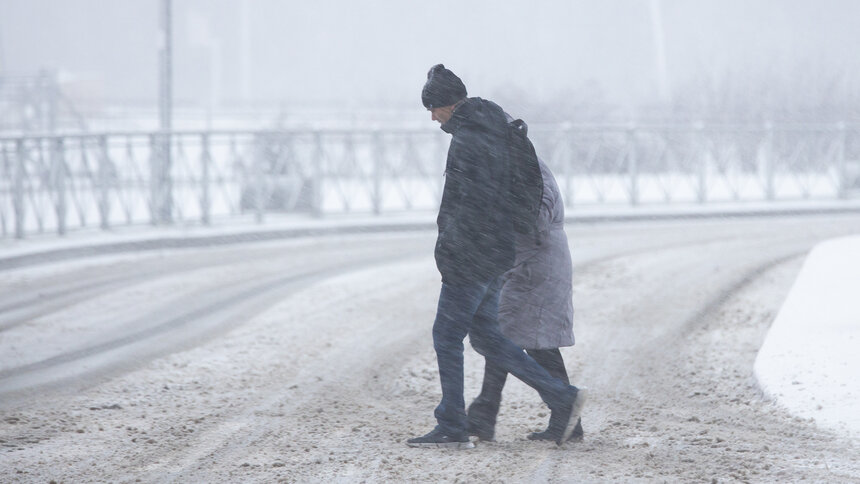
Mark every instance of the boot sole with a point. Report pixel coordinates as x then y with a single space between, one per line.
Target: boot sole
575 414
442 445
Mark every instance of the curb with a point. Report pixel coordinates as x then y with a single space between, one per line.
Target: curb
146 242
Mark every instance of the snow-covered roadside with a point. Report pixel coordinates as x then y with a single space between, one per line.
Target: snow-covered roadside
86 243
809 361
81 243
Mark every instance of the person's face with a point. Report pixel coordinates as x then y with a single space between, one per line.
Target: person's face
442 114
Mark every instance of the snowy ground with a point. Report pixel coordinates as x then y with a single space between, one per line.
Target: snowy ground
310 360
809 361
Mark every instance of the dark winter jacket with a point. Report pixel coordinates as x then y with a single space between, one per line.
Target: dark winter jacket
476 240
536 303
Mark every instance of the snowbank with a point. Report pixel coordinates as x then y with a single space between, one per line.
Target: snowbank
810 361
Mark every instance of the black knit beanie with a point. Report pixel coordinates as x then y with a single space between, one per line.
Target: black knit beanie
443 88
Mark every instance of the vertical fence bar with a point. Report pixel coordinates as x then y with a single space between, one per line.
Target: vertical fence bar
378 153
259 179
769 161
4 189
205 160
160 180
166 182
133 188
58 167
37 188
154 161
86 173
238 164
103 184
842 190
697 145
633 165
317 175
18 189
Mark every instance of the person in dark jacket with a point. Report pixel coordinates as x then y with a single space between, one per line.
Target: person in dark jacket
475 246
535 309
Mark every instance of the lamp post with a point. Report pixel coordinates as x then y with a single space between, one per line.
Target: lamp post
663 82
162 186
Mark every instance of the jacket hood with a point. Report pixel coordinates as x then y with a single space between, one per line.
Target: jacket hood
476 112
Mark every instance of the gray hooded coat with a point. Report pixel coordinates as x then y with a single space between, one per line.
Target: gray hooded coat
536 301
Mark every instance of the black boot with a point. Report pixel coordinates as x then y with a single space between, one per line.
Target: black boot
482 419
565 420
576 436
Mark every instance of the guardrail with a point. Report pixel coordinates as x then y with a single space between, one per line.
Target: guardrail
62 182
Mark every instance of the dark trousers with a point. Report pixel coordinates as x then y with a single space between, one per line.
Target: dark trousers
495 376
471 309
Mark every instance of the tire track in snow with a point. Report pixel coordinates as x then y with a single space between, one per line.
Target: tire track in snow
26 304
176 329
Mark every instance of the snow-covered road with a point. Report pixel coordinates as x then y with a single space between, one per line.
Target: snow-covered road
311 360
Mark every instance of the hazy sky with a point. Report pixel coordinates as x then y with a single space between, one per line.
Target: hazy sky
360 52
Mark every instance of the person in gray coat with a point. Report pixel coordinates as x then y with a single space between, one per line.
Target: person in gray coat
535 309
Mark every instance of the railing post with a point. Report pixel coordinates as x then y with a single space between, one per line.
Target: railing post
5 174
698 152
842 190
104 184
39 175
18 189
317 174
633 166
205 159
167 180
259 180
769 161
58 167
240 173
376 196
154 170
161 182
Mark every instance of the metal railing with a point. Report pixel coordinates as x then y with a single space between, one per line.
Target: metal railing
61 182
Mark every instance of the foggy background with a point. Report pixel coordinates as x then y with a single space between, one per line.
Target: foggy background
545 61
